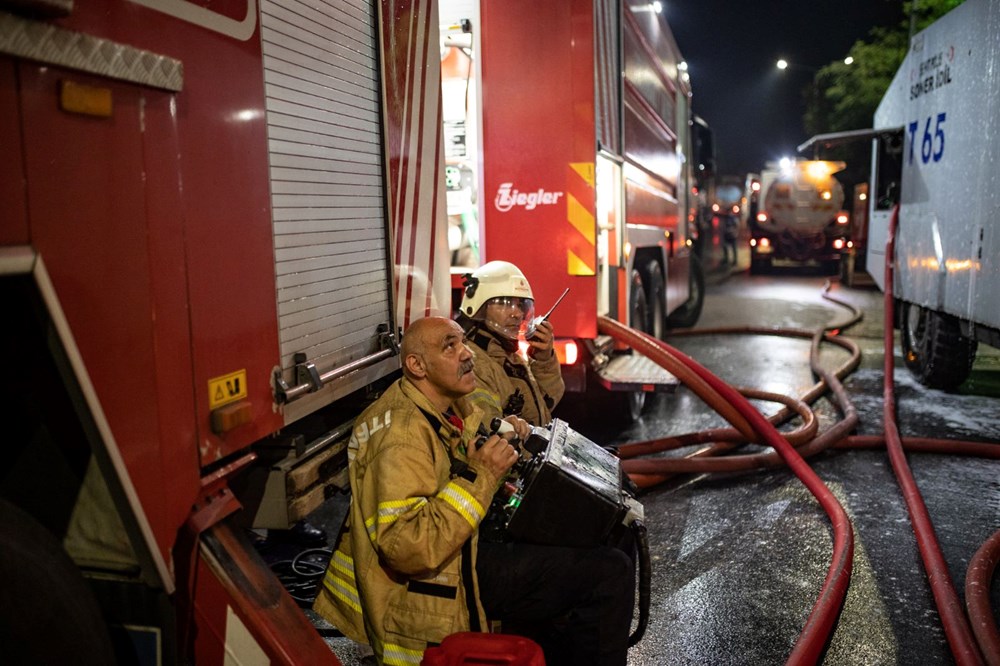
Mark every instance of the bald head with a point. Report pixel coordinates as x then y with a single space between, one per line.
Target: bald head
437 361
424 332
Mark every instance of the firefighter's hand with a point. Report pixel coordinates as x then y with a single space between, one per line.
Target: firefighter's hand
521 427
540 346
494 454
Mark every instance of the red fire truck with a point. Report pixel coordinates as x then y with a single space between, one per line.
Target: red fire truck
202 203
216 220
568 141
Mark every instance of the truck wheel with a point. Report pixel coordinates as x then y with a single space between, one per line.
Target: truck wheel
847 269
48 613
687 315
655 299
934 349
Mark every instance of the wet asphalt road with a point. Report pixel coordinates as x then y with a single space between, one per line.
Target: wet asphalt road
738 559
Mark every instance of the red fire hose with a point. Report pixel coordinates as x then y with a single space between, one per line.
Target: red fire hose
819 625
956 626
977 598
750 425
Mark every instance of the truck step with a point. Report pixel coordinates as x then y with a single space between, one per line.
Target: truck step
635 372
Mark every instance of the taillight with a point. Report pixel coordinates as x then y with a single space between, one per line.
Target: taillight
567 351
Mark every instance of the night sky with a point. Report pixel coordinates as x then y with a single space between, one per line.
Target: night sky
731 47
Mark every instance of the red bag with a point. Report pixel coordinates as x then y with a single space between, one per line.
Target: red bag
477 649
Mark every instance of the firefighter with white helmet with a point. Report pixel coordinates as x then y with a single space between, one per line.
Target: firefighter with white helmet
497 307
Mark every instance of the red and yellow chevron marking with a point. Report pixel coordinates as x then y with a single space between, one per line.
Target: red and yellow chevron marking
581 252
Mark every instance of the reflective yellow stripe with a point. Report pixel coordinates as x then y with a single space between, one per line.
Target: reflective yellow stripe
389 512
344 564
581 251
343 590
482 396
397 655
340 582
463 502
581 219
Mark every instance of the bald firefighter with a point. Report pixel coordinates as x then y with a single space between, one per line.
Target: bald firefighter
404 574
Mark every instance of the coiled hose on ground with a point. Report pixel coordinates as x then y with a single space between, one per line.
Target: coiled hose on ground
713 390
753 428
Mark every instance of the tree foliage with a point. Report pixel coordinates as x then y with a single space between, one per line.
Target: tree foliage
844 97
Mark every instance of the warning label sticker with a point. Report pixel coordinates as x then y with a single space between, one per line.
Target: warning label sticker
226 389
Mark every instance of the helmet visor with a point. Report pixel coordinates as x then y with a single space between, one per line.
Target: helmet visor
508 315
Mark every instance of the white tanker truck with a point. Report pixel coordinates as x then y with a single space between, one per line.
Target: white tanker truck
800 217
935 141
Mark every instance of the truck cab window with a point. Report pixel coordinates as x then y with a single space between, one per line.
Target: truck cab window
889 169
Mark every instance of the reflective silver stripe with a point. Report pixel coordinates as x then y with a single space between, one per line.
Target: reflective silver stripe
51 45
397 655
463 502
389 512
481 395
344 564
343 590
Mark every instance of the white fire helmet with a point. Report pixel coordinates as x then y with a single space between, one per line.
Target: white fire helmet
497 280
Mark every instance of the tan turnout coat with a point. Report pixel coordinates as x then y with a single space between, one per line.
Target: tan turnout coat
499 374
403 571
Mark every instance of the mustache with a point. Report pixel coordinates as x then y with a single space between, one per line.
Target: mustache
466 367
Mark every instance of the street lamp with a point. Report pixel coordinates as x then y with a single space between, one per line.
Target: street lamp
783 64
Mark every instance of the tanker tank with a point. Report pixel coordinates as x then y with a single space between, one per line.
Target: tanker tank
802 218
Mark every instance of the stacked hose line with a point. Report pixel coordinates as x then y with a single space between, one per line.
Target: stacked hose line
302 575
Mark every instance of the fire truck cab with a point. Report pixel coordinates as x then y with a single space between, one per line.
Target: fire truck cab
568 140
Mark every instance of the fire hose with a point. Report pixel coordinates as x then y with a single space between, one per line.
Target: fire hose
646 473
956 625
819 625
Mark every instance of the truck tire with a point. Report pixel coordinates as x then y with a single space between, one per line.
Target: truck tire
847 269
687 315
48 613
934 349
655 299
